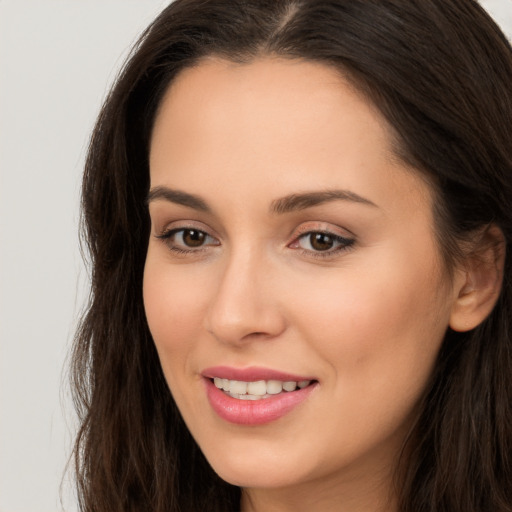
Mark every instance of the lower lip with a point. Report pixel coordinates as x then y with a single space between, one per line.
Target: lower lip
255 412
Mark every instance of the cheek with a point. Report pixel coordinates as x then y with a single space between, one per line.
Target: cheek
380 326
373 307
174 310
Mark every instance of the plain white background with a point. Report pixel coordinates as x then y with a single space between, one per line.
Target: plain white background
57 60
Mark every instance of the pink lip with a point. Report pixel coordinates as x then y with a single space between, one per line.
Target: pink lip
251 374
253 412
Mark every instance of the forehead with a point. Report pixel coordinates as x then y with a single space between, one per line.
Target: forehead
271 119
260 91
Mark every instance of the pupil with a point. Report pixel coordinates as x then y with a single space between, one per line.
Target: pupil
321 241
193 238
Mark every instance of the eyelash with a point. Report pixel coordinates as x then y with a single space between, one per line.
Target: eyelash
344 243
166 237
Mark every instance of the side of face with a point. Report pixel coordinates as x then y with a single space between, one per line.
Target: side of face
343 285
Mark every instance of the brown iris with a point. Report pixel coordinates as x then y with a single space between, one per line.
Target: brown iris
321 241
193 237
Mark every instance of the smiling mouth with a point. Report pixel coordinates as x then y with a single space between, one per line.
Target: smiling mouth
255 396
257 390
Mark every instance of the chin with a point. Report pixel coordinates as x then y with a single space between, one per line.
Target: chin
244 470
257 477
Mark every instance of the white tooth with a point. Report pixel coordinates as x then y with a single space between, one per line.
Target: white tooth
233 395
274 387
217 382
238 386
225 384
304 383
257 388
289 385
249 397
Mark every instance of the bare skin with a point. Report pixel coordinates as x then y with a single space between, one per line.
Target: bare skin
239 276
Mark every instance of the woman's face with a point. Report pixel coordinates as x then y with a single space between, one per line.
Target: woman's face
288 244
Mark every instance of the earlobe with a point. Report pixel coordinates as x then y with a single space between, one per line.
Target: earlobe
480 279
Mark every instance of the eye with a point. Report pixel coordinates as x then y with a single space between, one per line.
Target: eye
190 237
317 241
321 243
186 240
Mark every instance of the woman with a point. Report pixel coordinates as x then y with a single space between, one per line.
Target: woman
298 214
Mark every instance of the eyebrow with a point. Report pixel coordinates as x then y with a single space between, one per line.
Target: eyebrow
309 199
282 205
178 197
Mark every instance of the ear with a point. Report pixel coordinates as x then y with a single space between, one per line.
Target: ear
479 280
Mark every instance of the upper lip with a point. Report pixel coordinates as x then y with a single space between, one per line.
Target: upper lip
252 374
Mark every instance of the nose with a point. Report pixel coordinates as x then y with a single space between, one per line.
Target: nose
246 305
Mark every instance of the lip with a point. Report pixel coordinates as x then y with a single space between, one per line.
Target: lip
253 412
251 374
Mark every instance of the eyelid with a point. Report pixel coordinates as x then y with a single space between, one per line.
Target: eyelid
322 227
173 228
167 233
184 224
343 237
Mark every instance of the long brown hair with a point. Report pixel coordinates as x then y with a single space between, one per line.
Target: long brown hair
441 72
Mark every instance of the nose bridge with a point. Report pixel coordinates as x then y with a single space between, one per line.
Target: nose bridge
244 304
